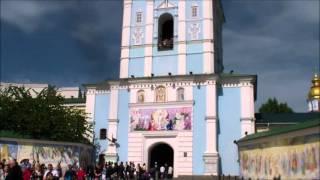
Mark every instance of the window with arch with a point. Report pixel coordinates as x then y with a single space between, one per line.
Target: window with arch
103 133
160 94
180 94
165 32
194 11
140 96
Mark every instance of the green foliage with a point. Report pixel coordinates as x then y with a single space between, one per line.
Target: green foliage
42 116
273 106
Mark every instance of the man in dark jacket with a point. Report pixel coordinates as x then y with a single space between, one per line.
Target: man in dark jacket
15 172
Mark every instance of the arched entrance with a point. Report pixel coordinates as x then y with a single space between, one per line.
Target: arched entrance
161 153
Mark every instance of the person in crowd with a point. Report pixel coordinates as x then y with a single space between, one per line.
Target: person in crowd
81 174
90 172
97 172
14 172
48 173
70 174
165 170
36 174
162 170
138 171
5 171
59 170
1 171
121 170
27 172
170 172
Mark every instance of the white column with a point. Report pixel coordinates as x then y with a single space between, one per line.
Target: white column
247 108
90 104
211 155
149 39
113 124
208 66
182 38
125 41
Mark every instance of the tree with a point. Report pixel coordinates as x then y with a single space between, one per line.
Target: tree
273 106
41 117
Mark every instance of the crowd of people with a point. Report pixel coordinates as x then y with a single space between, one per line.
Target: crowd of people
12 170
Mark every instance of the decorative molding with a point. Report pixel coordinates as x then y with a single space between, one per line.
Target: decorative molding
211 162
211 118
102 91
162 104
113 120
247 119
160 134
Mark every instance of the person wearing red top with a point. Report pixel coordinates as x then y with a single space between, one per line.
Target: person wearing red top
81 174
27 174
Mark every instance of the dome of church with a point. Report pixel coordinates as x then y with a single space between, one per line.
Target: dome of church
314 92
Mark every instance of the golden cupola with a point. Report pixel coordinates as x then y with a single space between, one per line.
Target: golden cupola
314 92
314 95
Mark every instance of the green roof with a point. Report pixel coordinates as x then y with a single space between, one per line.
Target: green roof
283 130
285 117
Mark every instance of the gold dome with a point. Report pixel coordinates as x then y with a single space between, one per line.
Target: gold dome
314 92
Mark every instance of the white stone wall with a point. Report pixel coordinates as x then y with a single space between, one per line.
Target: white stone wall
139 144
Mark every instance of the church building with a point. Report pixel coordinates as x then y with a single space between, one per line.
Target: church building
173 103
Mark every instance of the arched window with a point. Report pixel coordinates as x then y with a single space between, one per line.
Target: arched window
165 32
140 96
180 94
160 94
103 133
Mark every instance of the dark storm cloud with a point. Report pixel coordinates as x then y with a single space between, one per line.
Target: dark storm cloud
277 40
95 27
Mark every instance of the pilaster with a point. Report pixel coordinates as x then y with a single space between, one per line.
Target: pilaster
247 108
210 156
149 39
208 49
111 153
90 105
125 41
182 38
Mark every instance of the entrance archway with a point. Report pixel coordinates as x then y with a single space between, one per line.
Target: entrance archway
161 153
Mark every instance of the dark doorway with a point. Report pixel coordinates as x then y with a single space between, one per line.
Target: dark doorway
165 32
162 154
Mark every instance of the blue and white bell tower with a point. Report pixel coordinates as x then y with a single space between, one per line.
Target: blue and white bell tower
172 103
171 36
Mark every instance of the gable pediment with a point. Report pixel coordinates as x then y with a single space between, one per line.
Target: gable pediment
166 4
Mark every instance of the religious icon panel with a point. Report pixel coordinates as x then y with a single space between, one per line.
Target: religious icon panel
161 119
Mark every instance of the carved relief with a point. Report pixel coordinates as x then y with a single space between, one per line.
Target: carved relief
138 36
194 31
160 94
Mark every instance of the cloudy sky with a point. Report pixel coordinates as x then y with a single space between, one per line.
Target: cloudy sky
68 43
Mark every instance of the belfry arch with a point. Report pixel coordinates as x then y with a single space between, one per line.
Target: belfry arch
165 32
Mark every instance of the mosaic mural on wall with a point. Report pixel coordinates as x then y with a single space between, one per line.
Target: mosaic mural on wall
161 119
295 158
44 153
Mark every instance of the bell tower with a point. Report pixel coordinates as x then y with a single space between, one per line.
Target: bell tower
176 37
